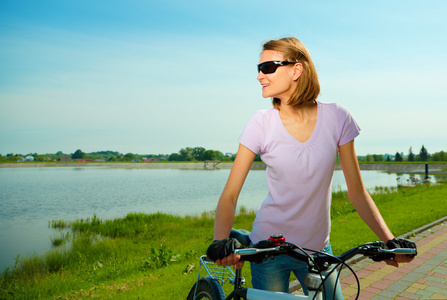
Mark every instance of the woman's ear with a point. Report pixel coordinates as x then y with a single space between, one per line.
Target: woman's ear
297 71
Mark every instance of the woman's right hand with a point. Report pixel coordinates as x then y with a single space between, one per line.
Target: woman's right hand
222 253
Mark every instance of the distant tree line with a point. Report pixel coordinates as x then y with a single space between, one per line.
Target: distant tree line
199 154
191 154
185 154
79 154
423 156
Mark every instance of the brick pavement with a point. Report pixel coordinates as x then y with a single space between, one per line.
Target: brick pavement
423 278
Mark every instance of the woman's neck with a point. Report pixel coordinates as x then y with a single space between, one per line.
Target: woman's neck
299 121
298 113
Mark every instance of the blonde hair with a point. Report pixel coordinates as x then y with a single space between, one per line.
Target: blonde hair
308 87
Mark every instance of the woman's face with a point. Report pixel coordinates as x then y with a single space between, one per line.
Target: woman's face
279 84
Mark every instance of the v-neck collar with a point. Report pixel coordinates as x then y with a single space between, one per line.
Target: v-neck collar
315 132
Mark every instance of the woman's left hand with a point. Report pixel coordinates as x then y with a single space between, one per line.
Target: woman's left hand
400 258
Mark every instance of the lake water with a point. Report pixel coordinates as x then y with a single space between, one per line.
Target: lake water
31 197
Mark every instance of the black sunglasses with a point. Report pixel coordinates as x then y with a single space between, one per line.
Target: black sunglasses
270 67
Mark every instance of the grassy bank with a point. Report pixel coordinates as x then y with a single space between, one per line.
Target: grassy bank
156 256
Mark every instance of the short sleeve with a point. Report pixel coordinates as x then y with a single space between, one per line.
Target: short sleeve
252 136
349 127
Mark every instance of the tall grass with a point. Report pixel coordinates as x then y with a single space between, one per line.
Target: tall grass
156 255
403 208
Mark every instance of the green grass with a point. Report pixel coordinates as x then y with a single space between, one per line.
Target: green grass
156 256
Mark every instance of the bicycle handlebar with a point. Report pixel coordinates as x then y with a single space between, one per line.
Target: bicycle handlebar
376 250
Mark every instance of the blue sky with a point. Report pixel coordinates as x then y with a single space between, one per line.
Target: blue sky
157 76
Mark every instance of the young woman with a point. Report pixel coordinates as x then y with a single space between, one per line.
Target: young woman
298 139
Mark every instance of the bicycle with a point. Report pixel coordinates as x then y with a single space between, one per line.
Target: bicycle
210 286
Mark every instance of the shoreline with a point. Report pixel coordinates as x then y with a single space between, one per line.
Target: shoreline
387 167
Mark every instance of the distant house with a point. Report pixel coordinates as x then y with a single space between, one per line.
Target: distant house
65 159
150 159
84 159
29 158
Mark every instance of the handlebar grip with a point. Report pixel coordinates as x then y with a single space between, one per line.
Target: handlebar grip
383 254
248 251
255 255
409 251
248 254
251 251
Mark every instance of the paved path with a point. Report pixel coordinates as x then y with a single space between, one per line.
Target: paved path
423 278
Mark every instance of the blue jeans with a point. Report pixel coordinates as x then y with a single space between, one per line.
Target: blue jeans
273 275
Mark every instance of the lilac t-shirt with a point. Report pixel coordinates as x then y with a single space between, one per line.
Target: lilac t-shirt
299 175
